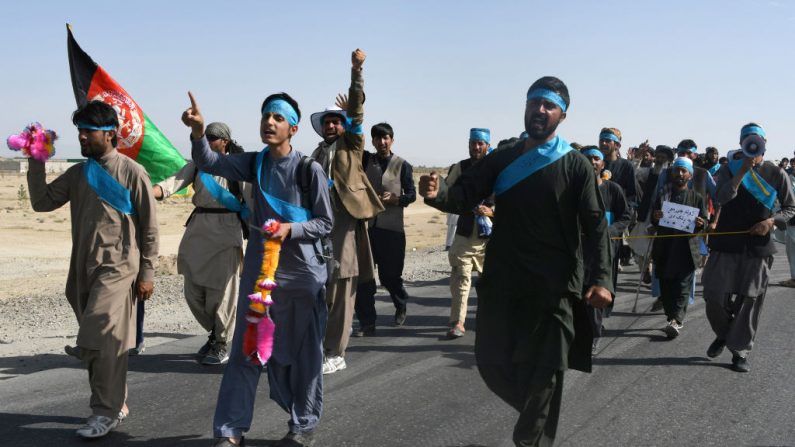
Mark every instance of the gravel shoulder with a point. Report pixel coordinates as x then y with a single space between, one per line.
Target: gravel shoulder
34 328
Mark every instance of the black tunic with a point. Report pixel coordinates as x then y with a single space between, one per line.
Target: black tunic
533 271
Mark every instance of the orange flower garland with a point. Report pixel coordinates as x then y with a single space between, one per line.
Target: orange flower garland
258 338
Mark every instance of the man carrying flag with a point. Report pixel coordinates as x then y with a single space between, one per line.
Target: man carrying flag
114 248
138 138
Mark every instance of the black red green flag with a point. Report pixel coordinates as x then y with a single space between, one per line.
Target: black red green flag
138 137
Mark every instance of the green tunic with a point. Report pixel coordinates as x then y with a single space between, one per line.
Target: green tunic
532 281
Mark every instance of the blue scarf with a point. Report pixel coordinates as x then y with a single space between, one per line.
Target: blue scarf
714 170
287 210
222 196
756 185
531 161
108 188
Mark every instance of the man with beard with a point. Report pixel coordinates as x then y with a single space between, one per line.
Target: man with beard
530 300
354 201
623 173
711 161
737 272
469 247
702 181
663 156
114 250
393 180
618 217
676 258
622 170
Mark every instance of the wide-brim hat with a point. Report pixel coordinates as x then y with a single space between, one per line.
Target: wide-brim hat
317 118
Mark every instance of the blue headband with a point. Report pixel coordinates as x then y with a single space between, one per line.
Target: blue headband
748 130
683 162
609 136
82 125
679 150
283 108
594 153
549 95
481 134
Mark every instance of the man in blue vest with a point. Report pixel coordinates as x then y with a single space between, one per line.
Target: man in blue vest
753 194
115 241
532 322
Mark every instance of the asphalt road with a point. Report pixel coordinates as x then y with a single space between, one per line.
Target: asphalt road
409 386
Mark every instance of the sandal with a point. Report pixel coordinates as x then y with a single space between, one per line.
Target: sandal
225 442
97 426
456 331
788 283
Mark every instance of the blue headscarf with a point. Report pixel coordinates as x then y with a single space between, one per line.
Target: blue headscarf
684 162
751 129
594 153
283 108
480 133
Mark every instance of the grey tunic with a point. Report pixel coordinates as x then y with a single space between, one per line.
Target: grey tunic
110 250
300 272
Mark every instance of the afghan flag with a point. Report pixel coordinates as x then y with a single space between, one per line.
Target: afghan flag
138 137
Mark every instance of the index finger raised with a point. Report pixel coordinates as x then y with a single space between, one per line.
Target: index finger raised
193 104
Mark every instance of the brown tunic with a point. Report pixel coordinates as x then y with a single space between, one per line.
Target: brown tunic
211 249
110 250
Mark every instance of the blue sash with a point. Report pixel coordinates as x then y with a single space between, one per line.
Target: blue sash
222 196
531 161
609 217
756 185
714 170
107 188
288 211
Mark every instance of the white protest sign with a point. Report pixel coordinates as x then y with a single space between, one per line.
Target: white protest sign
679 217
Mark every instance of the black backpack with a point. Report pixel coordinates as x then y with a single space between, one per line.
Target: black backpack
324 254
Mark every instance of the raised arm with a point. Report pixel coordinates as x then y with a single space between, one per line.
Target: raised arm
234 167
48 197
472 187
354 133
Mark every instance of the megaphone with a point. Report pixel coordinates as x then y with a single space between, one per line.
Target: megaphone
753 146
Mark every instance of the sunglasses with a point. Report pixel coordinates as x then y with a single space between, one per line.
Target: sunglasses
212 138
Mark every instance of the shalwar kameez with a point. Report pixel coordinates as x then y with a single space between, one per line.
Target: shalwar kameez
112 250
298 311
529 296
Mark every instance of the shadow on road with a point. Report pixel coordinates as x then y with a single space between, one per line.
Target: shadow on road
658 361
149 363
24 430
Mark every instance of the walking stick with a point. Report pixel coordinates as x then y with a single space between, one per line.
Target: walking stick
640 279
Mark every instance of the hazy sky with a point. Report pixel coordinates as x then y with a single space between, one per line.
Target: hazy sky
663 70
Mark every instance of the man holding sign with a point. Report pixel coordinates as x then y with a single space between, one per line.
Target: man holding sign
677 210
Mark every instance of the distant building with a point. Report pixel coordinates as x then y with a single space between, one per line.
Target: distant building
19 165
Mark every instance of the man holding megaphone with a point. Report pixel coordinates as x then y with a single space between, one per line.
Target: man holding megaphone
753 194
